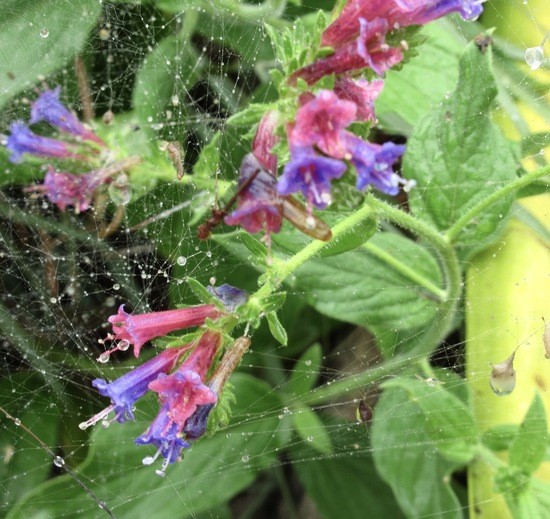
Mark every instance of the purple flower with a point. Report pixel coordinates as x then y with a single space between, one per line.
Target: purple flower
181 394
360 92
311 174
419 12
48 108
320 123
230 296
23 140
141 328
398 13
258 204
166 436
126 390
374 162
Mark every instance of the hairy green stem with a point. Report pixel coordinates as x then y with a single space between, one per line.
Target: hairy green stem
506 190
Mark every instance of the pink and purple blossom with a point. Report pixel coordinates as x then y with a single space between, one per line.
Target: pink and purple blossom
397 13
258 204
311 174
137 329
68 189
181 394
360 92
264 140
321 122
127 389
23 140
47 107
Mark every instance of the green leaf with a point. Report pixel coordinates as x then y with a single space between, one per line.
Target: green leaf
276 328
25 464
26 54
257 248
458 156
529 447
346 484
448 421
530 501
418 474
311 429
425 79
114 465
305 372
361 287
250 115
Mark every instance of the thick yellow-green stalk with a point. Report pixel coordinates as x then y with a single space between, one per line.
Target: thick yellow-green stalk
507 294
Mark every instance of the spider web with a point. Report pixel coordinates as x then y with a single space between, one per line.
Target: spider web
64 274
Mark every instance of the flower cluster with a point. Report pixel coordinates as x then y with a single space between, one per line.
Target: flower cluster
358 35
77 142
186 394
322 148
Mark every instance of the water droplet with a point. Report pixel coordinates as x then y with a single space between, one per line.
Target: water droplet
116 286
503 377
212 280
104 357
148 460
307 362
17 422
58 461
245 458
120 190
123 345
44 33
534 56
160 473
53 300
310 438
105 424
182 260
83 425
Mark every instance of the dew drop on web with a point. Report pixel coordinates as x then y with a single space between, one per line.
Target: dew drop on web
534 57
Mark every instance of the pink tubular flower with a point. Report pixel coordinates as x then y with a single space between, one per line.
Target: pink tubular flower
180 393
68 189
367 49
398 13
321 121
138 329
360 92
265 139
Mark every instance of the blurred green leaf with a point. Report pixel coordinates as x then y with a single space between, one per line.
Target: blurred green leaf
529 446
345 485
38 37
